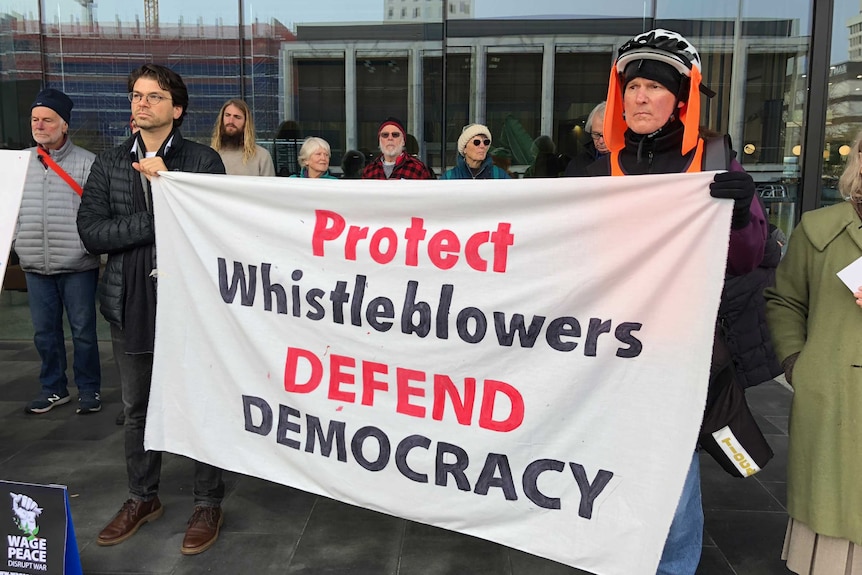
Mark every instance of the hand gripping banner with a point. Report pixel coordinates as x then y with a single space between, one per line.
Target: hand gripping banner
525 361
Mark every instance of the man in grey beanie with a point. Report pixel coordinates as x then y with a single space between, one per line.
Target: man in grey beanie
60 273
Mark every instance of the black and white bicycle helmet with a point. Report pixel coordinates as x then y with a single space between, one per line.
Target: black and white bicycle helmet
662 45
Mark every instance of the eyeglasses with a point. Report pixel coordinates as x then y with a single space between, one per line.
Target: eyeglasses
386 135
478 142
152 99
596 135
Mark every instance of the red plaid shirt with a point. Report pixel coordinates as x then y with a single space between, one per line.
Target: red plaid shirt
406 168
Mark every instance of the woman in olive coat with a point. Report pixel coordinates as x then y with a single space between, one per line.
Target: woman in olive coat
816 326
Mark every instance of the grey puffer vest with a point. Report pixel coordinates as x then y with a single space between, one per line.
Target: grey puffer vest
46 238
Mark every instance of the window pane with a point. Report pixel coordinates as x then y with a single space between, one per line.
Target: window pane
843 123
580 82
382 90
20 65
513 100
755 62
320 101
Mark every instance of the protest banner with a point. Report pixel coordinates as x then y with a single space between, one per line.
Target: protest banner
13 166
522 361
38 531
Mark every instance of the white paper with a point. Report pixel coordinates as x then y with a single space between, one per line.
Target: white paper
13 166
852 275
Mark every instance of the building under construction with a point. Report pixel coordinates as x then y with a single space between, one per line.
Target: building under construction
90 61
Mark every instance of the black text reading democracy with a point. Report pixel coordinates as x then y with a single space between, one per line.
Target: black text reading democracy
438 463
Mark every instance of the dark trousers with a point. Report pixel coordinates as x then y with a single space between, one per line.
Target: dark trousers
144 467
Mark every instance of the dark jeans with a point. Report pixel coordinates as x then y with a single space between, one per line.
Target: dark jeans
48 296
144 467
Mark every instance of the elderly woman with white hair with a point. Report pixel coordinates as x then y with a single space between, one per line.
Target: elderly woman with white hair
473 159
314 159
815 322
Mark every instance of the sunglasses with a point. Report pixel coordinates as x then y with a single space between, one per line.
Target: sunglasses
596 135
385 135
478 142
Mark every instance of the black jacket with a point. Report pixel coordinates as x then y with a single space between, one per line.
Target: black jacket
107 222
647 154
742 320
578 165
547 165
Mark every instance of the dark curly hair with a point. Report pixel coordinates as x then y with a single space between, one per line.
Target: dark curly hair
167 80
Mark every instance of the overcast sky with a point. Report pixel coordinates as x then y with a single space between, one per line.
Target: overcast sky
292 12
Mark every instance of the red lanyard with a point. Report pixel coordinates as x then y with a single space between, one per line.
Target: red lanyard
46 158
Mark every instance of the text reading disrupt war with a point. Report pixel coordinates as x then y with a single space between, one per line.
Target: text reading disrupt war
444 249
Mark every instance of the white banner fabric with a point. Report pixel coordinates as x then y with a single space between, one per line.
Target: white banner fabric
525 361
13 166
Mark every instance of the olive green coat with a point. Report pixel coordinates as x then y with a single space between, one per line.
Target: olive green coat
811 311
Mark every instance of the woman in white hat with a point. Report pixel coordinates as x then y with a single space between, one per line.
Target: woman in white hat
474 162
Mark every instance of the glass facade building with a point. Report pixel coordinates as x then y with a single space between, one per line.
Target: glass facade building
786 73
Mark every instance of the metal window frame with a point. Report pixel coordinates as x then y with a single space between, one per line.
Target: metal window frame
815 111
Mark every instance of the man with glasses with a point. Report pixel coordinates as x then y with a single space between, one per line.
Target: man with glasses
116 217
473 159
595 148
394 163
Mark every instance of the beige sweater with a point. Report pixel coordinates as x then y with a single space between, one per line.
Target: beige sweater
258 165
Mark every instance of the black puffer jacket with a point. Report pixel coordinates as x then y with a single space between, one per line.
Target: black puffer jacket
742 320
107 221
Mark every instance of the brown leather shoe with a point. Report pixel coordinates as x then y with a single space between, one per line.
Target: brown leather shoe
203 529
133 514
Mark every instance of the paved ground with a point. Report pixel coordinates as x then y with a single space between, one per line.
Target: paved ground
273 529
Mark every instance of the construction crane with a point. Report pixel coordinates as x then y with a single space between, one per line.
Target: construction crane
88 11
151 15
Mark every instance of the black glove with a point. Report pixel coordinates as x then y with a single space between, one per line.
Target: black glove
739 187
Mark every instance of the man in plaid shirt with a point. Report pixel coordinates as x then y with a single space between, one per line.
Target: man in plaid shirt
394 163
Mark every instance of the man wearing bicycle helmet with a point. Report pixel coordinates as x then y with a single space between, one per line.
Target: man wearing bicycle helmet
652 127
